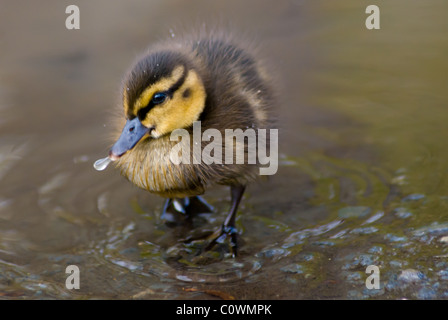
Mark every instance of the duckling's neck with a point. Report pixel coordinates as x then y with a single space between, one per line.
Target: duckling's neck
149 167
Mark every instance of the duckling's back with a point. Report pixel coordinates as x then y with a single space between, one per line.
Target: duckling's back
238 87
239 96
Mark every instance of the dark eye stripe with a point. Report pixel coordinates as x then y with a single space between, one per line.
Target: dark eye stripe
156 100
144 111
179 82
141 114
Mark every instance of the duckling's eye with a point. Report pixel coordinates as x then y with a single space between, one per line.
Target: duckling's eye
159 98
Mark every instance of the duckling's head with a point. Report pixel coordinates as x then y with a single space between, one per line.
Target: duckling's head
162 92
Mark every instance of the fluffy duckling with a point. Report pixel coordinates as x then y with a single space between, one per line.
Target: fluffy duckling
209 78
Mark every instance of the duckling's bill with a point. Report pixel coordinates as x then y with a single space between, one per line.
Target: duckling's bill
132 133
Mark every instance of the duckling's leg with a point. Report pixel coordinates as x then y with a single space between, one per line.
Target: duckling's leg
202 204
165 208
228 229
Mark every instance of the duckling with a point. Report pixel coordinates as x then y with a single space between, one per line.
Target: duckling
210 78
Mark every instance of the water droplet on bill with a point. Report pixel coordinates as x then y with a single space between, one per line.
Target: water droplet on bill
102 164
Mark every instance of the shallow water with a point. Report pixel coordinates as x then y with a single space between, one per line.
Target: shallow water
362 179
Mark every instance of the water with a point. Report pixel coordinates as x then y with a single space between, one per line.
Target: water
102 164
362 177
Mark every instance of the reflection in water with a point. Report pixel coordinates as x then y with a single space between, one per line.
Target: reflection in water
362 179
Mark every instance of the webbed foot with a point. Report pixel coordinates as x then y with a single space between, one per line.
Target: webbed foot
228 229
